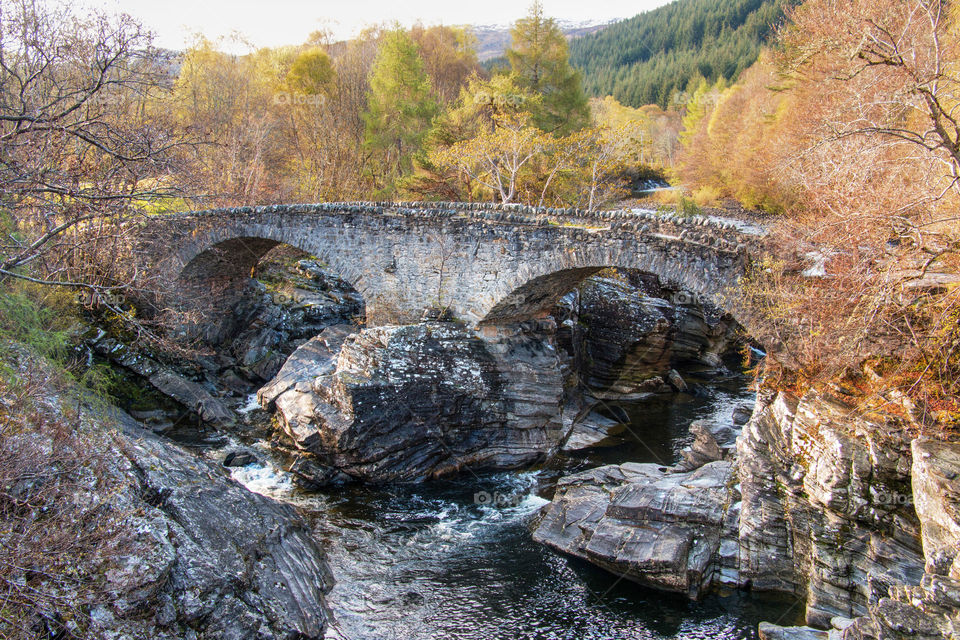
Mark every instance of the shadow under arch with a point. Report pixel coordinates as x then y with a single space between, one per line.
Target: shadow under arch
538 296
215 284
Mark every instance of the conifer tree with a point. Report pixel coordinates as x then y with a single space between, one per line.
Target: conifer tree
400 105
540 60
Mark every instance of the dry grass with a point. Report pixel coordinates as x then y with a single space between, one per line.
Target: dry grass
59 525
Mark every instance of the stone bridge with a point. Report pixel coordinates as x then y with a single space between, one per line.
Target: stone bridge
485 264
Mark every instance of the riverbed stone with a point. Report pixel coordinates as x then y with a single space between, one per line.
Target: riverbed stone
628 335
590 430
770 631
659 529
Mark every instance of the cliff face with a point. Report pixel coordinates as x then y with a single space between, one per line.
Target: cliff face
827 504
929 608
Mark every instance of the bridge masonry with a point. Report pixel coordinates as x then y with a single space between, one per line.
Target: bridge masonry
484 264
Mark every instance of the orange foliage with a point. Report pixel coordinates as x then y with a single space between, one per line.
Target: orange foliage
849 130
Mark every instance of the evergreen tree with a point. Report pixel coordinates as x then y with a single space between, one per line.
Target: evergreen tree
401 104
650 57
540 60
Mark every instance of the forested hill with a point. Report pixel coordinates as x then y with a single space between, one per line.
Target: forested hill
645 59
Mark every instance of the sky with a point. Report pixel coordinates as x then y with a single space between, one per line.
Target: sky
277 22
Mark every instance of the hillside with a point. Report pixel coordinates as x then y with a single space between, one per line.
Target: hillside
645 59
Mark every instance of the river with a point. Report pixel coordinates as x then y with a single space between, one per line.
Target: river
454 559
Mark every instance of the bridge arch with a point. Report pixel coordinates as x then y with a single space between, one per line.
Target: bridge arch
484 266
537 288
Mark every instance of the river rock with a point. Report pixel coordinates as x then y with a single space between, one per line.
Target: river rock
239 458
663 530
192 395
704 448
315 358
775 632
418 401
591 430
226 561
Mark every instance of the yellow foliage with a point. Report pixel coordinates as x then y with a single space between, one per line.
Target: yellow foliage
706 196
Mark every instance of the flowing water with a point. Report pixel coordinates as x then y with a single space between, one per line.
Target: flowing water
455 560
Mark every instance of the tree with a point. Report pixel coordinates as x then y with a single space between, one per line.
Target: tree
83 145
229 101
852 128
649 58
401 104
311 73
496 159
538 57
448 57
482 105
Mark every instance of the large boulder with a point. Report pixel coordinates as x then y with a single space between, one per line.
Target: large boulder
663 530
418 401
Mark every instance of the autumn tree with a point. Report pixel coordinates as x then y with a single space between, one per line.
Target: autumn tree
401 105
483 104
496 159
851 127
448 58
311 73
229 101
540 60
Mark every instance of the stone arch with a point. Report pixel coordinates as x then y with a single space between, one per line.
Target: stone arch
533 292
221 261
211 274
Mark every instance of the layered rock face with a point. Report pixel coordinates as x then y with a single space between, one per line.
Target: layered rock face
826 510
928 609
815 500
625 334
292 305
418 401
669 528
404 403
208 558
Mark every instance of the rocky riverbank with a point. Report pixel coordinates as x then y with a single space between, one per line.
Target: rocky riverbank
806 497
171 546
848 511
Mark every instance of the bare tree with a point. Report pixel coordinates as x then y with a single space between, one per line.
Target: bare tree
84 143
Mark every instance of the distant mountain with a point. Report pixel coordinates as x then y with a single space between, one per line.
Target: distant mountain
646 59
493 40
